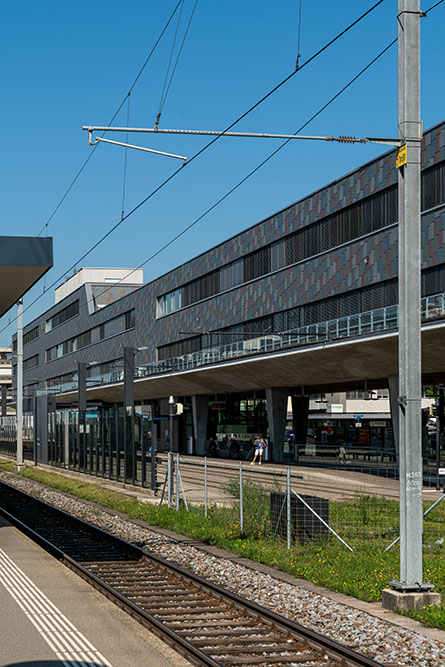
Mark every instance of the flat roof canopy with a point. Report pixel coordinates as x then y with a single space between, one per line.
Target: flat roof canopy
23 261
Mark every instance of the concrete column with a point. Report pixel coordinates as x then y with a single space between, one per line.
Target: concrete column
129 443
82 406
393 386
200 410
4 392
276 398
300 417
43 405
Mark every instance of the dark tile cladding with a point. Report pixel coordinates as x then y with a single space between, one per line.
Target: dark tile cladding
334 272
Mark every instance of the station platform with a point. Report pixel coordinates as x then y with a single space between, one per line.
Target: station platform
52 618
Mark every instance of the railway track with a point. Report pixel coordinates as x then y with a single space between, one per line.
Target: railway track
204 622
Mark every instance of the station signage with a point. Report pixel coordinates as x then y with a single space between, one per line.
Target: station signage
441 471
401 156
218 405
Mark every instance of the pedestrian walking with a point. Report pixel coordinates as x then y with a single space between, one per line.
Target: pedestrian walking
212 448
260 446
234 448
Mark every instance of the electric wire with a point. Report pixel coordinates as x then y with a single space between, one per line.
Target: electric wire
161 104
91 153
244 179
299 37
433 6
255 170
202 150
124 183
177 57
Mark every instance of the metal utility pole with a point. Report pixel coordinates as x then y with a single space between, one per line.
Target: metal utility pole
410 431
19 402
82 407
171 415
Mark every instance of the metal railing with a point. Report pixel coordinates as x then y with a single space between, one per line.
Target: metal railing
368 323
351 326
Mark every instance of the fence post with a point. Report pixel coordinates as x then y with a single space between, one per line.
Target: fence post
288 507
241 512
169 479
205 486
177 482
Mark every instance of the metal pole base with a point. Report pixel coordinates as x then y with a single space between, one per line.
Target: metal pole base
18 467
414 588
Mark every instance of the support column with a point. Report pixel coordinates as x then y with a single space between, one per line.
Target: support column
411 585
276 399
43 405
411 576
4 399
129 443
200 411
82 407
300 419
19 400
393 386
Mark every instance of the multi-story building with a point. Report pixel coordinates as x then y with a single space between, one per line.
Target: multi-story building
301 303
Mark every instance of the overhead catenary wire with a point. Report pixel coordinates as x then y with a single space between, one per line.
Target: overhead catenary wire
253 171
238 184
176 62
196 155
91 153
299 36
169 63
124 179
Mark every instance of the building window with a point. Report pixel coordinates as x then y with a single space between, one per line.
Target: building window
113 327
168 303
201 288
30 335
278 255
231 275
257 264
180 347
31 362
62 316
433 186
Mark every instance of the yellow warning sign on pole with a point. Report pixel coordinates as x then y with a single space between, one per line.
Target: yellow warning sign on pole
401 156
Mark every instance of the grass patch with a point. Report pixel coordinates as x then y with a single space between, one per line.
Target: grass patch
368 524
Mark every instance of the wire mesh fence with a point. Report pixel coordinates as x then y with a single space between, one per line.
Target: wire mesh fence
286 507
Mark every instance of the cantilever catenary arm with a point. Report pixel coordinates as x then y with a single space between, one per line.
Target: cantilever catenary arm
253 135
139 148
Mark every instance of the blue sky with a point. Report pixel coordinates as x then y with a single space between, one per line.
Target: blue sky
70 64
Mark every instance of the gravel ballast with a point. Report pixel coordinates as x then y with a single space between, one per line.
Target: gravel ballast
385 642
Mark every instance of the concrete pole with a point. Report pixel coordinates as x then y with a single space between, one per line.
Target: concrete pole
410 428
19 402
82 406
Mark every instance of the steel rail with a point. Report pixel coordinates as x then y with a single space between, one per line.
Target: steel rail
346 656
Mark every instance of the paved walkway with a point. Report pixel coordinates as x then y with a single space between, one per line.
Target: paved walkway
52 618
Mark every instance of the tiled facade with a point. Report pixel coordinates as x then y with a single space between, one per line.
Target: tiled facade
357 264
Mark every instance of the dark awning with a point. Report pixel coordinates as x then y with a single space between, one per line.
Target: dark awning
23 261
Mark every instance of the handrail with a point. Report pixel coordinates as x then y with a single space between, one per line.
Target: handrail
331 331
